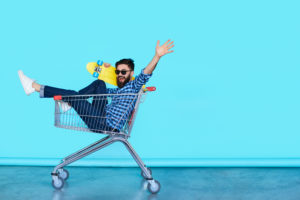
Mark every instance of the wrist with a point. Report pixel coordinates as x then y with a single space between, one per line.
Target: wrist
157 56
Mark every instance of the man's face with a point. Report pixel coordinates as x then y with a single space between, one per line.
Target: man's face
121 78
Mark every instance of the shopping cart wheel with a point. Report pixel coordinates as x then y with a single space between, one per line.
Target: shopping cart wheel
153 186
144 175
63 173
58 183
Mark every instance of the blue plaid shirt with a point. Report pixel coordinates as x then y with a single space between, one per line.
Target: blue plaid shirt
121 106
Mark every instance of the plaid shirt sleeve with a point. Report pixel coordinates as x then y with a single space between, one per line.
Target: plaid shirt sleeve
140 80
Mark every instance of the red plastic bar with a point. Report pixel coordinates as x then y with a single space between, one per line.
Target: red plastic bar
151 89
56 98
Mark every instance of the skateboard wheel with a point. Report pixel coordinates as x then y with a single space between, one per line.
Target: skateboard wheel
99 62
95 74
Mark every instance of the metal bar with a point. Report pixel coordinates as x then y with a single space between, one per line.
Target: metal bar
75 158
86 148
136 157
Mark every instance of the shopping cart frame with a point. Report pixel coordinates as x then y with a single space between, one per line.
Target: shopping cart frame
60 175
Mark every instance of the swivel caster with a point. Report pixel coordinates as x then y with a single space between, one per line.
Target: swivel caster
58 183
153 186
63 173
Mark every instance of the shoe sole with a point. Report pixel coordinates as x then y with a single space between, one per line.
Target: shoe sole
20 73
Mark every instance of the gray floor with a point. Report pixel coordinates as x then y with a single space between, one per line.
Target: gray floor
177 183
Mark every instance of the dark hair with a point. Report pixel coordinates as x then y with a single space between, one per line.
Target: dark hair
128 62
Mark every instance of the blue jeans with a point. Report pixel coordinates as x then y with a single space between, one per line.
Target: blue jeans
93 114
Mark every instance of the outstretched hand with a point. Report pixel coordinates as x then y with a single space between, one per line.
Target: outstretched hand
164 49
159 52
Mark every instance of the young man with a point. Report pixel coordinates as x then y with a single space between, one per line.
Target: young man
99 115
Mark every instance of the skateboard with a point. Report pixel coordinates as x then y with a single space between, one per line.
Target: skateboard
107 74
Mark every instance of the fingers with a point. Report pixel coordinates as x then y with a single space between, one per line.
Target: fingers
170 47
106 65
157 44
165 48
166 42
170 44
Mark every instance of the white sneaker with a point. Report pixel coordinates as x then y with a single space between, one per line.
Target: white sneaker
64 106
26 83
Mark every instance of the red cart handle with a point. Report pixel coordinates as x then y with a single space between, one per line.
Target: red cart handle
151 89
58 97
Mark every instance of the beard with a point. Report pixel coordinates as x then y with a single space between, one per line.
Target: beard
122 84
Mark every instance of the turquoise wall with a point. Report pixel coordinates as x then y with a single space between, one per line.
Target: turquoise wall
228 95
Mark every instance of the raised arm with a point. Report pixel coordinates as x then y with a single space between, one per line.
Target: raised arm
159 52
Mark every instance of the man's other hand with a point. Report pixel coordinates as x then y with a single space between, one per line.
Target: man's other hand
107 65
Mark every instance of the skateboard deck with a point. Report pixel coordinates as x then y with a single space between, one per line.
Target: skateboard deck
107 74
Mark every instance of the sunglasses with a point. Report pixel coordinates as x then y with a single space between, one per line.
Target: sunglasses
123 72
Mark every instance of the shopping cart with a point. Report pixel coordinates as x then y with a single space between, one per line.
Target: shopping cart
87 113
